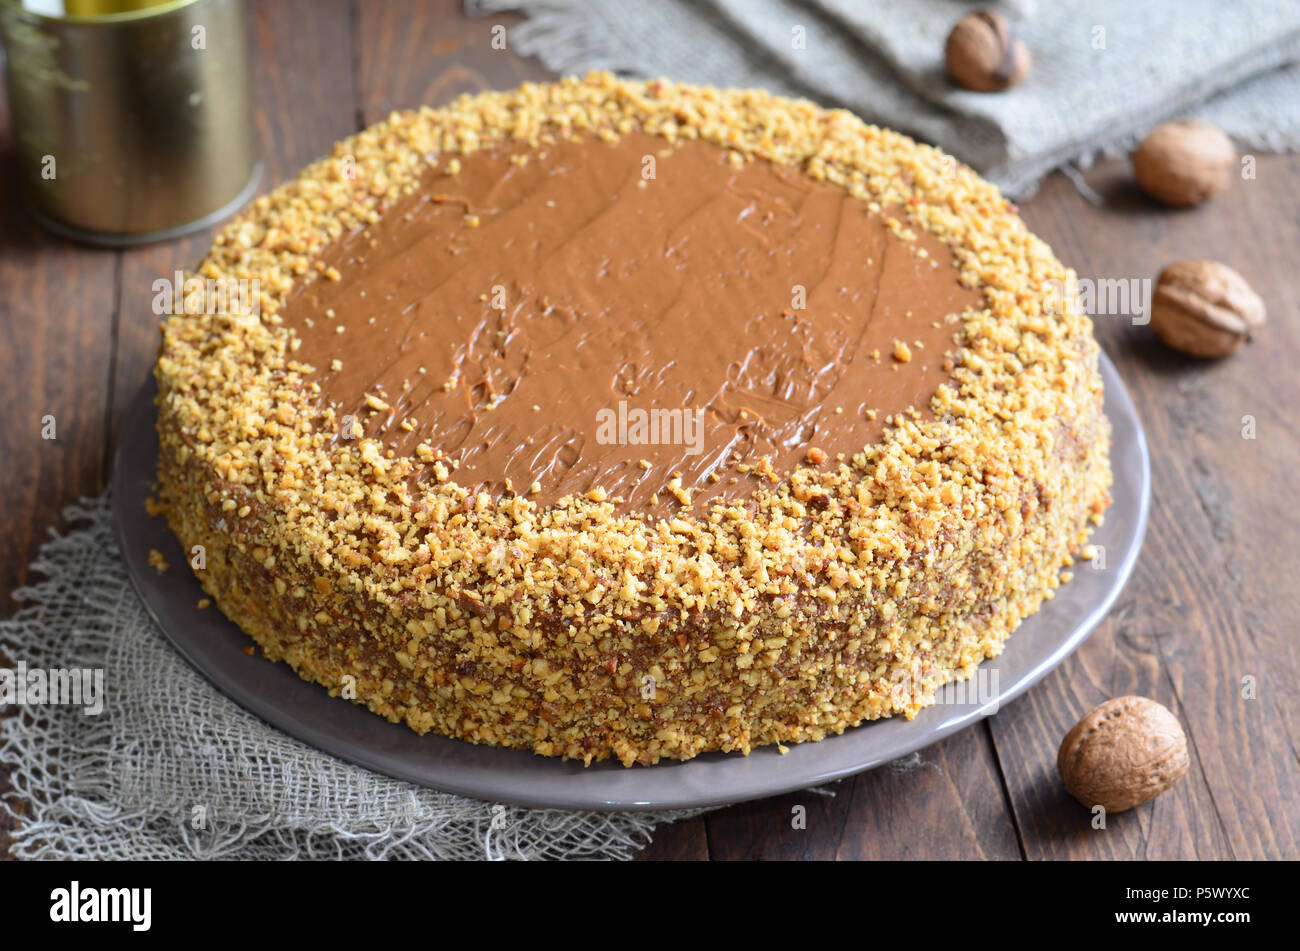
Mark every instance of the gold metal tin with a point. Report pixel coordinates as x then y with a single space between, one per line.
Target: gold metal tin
133 126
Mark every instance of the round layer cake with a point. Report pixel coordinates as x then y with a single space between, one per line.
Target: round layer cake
607 418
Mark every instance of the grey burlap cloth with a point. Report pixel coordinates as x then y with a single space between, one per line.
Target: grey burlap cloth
1104 71
130 782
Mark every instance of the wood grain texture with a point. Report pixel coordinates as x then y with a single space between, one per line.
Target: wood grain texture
412 53
943 802
56 316
1211 602
1213 599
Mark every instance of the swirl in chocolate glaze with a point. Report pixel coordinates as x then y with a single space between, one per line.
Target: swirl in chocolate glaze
524 296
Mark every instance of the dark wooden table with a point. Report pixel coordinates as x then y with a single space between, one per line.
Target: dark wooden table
1215 597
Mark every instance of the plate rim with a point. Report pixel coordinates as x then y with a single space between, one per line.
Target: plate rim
573 786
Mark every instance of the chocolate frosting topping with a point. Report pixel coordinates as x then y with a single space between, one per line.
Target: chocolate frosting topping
591 315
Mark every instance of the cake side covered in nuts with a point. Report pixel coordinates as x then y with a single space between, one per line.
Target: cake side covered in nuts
812 595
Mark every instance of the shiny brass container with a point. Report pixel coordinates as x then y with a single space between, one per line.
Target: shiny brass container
135 125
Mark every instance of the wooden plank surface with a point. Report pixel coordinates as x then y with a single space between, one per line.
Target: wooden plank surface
1213 600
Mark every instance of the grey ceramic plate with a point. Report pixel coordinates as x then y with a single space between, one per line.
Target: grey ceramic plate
275 693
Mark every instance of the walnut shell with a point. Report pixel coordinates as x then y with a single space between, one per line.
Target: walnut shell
1184 162
1123 753
1205 309
984 54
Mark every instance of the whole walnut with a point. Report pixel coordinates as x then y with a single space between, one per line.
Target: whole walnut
1123 753
984 54
1205 309
1184 162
